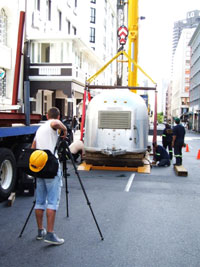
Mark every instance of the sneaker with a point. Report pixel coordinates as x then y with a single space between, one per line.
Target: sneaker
53 239
41 234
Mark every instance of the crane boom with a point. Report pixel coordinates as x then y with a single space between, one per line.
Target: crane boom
132 41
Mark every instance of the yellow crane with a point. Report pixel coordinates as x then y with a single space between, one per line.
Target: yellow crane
132 54
132 41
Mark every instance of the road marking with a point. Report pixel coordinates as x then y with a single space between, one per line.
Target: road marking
129 183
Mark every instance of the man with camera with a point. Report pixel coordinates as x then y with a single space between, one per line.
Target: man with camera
48 190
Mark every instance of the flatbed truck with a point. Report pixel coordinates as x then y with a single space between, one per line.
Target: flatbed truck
12 141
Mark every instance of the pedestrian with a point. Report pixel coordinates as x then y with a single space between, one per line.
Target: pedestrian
77 149
167 136
74 123
80 120
161 156
48 190
178 141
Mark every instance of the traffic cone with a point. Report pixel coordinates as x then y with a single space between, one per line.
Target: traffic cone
198 155
187 148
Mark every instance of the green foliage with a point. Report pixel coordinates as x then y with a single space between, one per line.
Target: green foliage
160 117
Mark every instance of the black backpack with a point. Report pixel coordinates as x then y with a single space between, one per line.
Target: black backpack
50 169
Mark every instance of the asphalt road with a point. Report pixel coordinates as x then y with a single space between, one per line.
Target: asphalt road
147 220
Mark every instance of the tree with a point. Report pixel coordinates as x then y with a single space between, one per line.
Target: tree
160 117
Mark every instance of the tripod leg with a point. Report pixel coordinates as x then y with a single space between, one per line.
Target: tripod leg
84 192
66 185
27 219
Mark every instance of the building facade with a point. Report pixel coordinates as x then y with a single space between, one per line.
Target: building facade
9 21
65 42
69 42
179 106
195 81
181 76
191 21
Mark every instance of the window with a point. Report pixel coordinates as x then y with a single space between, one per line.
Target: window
74 30
61 53
187 53
49 9
60 20
68 26
187 72
92 35
38 55
45 53
33 53
92 15
3 87
3 27
38 5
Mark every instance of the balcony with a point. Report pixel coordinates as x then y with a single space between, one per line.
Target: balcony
56 72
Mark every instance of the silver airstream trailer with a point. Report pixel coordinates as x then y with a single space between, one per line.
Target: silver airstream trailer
116 129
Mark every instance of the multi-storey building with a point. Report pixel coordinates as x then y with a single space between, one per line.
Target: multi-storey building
181 75
69 42
65 43
191 22
195 80
168 102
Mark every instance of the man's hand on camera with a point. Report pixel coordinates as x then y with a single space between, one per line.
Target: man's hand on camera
63 134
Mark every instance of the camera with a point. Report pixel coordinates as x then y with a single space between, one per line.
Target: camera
68 124
62 145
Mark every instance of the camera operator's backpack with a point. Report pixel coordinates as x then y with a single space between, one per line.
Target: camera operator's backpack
38 163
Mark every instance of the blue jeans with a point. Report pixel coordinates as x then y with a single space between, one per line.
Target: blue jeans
48 192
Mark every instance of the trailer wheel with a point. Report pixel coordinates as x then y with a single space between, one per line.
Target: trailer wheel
7 172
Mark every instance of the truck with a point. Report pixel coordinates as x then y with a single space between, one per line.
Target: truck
12 140
17 129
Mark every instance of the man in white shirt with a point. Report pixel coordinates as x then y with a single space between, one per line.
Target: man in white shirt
48 190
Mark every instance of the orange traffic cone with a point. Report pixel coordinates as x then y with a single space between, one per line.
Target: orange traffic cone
187 148
198 155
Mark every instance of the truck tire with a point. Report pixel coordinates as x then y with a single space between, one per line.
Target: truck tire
25 182
7 172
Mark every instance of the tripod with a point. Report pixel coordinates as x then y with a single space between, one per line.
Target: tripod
62 153
29 215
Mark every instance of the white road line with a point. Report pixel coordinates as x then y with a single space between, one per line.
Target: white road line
129 183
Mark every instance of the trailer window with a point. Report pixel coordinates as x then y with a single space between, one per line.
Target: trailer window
114 120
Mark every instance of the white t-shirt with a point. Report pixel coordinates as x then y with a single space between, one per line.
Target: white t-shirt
46 137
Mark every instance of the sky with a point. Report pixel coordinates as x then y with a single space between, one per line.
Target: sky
155 35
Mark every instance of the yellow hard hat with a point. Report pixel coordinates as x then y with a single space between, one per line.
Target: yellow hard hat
37 160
